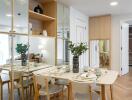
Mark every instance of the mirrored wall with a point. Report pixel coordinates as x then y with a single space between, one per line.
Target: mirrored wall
100 53
13 51
19 16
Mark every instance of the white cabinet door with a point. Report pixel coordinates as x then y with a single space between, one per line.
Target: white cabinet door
124 49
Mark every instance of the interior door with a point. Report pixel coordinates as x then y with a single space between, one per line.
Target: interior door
81 36
124 49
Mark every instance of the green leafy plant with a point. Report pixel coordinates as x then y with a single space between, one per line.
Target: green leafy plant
77 49
21 48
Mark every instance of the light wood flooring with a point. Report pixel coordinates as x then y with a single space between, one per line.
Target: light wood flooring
122 89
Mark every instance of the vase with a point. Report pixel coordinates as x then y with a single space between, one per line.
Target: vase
24 59
75 64
38 9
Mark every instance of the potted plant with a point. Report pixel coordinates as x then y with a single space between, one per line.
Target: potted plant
22 49
77 50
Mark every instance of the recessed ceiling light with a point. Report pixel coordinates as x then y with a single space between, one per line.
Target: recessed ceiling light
8 15
114 3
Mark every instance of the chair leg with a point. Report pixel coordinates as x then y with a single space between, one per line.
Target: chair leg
26 92
90 92
36 96
111 95
22 93
62 94
1 92
9 91
30 90
18 91
102 92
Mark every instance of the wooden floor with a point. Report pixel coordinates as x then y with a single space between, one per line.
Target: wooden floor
122 89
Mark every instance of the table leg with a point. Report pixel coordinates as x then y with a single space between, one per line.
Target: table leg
103 92
70 97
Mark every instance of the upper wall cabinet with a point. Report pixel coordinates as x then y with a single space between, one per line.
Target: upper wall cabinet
100 27
20 16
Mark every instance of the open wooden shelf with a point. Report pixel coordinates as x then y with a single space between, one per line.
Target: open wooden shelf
45 1
42 36
41 17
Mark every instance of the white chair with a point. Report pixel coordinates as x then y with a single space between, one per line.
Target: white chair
44 88
83 91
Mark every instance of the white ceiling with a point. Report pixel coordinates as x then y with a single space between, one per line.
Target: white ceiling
100 7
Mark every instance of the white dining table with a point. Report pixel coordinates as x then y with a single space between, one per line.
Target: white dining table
108 77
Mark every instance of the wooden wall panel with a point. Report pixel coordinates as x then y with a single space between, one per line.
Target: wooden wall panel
100 27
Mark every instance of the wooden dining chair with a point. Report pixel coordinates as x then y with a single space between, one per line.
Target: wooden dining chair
65 84
22 82
108 92
4 79
83 91
43 87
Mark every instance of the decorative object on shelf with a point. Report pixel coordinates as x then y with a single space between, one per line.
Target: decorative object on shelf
44 32
38 9
77 50
22 49
40 33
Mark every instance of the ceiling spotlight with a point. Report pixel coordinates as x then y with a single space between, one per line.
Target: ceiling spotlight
114 3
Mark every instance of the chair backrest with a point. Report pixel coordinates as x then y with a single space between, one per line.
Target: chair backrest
43 82
40 80
83 91
15 74
80 87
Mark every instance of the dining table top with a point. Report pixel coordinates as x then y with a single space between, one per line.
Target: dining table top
107 77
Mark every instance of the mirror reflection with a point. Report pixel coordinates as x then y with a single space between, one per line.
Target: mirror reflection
100 53
20 16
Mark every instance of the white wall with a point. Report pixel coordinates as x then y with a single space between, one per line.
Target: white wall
78 19
116 20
